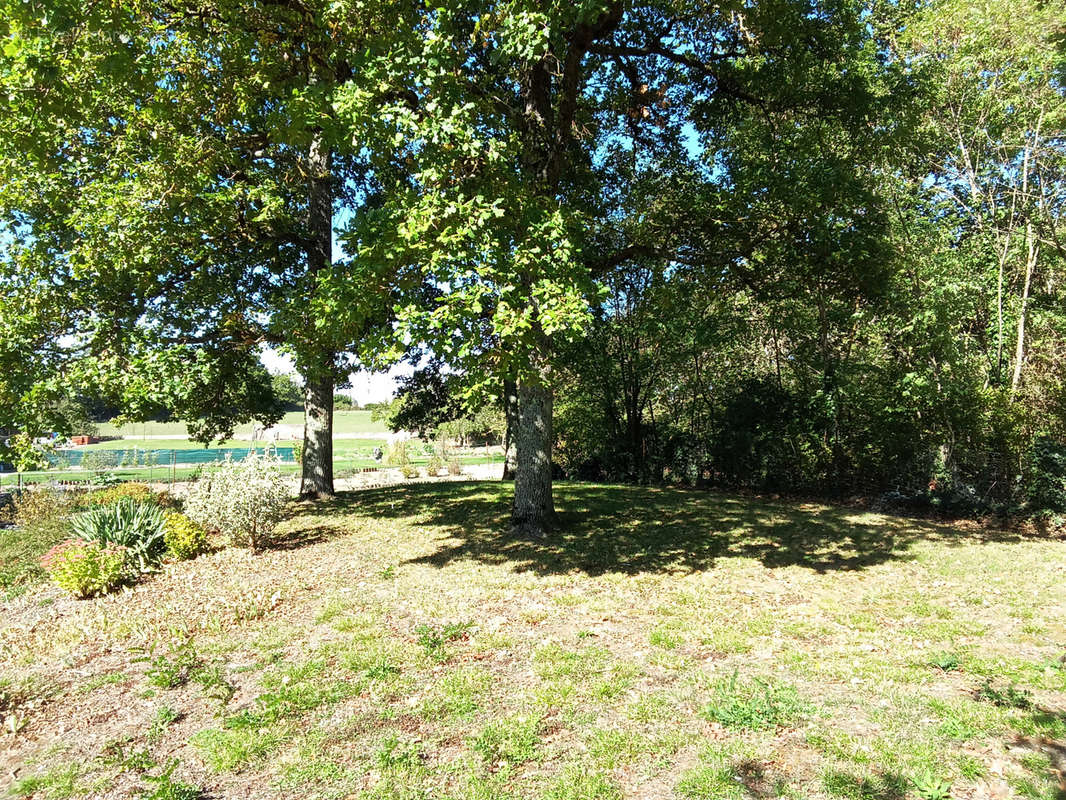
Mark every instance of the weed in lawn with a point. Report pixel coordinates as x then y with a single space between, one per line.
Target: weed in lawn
396 754
1011 697
754 704
945 662
211 678
613 747
512 740
163 719
666 637
970 767
931 787
434 640
165 787
552 661
174 668
864 786
710 782
230 750
962 719
616 681
58 783
458 694
577 783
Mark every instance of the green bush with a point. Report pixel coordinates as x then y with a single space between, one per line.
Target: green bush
137 527
37 505
184 538
108 497
435 465
1047 476
454 467
85 569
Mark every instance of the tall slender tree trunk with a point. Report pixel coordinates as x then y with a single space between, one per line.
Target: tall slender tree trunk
317 462
533 510
1032 253
510 413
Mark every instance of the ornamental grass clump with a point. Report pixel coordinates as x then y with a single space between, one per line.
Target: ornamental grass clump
137 527
85 569
242 500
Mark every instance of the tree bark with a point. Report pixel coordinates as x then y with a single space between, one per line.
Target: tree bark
533 510
510 413
317 462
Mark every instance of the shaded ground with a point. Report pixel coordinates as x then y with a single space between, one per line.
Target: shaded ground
397 644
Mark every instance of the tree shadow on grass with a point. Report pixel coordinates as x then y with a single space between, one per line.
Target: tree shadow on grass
630 529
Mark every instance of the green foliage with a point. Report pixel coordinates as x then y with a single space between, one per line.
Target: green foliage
929 787
242 500
41 524
184 538
173 668
136 527
138 492
945 662
434 640
165 787
752 704
1010 697
85 569
42 505
434 465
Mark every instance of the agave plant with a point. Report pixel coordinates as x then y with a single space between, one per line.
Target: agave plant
136 526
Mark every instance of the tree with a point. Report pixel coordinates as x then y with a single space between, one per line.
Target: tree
288 391
171 175
513 117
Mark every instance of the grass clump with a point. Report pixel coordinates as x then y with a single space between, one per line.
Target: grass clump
752 705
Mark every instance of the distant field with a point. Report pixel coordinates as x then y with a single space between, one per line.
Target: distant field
343 422
339 445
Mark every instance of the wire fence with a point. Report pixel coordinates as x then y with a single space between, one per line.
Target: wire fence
109 459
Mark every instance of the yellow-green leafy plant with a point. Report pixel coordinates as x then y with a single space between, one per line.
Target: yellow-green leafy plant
85 569
106 497
184 537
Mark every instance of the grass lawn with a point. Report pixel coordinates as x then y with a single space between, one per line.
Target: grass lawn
396 643
343 422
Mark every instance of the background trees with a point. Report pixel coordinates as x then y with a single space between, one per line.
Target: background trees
792 245
171 176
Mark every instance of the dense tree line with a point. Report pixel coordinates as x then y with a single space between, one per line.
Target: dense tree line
799 244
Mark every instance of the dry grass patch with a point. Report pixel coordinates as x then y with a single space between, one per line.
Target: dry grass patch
397 644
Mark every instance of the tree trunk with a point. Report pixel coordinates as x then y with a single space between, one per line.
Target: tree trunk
510 413
1032 252
533 511
317 462
317 466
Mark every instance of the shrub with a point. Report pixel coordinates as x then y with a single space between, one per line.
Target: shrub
85 569
409 471
397 455
137 527
38 505
107 497
184 538
242 500
454 467
435 465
